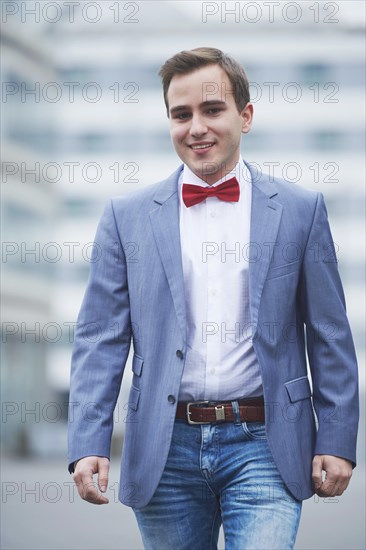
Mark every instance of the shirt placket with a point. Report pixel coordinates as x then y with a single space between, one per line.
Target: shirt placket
213 322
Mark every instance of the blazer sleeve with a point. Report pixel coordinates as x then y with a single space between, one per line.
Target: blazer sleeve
330 347
101 346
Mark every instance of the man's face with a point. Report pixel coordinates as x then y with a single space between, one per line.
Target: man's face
205 125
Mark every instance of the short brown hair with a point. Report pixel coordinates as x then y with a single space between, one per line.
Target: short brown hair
188 61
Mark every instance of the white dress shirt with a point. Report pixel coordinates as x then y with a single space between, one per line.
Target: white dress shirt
221 363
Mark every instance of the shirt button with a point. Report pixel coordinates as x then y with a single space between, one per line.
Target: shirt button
179 353
171 399
213 214
212 370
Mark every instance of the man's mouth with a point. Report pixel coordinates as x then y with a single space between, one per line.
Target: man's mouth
198 146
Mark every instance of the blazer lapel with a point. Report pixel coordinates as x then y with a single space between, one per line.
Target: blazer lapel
265 220
165 224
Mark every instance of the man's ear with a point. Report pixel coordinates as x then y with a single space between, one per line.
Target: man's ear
247 116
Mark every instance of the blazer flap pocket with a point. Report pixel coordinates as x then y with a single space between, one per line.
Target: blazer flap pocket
133 398
298 389
137 363
282 270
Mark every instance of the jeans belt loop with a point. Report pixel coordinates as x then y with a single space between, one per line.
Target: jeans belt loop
236 412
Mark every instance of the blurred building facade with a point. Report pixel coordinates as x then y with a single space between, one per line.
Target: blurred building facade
110 134
28 209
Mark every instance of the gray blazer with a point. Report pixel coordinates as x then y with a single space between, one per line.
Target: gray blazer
135 292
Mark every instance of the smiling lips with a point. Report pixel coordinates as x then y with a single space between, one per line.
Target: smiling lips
198 147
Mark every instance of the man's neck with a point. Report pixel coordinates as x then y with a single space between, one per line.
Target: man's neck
221 174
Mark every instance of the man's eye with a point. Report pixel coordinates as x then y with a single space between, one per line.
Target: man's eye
214 111
182 116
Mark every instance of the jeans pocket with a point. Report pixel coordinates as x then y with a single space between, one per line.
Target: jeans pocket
254 430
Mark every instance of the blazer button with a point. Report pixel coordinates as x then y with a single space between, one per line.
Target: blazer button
179 353
171 399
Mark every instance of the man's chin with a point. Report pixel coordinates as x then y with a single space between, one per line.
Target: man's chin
206 169
212 173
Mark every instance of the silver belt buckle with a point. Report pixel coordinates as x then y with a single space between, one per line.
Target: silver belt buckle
219 412
189 412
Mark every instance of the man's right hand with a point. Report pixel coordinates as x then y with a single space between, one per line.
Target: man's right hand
83 476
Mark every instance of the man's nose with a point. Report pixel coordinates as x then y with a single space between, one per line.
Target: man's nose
198 126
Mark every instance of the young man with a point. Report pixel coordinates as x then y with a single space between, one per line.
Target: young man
231 282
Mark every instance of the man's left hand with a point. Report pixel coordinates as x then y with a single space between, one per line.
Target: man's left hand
338 472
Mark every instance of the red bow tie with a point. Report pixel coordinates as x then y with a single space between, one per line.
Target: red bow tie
229 191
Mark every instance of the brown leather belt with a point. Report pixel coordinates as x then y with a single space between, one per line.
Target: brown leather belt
205 412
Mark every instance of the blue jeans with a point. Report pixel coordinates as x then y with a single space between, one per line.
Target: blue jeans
219 474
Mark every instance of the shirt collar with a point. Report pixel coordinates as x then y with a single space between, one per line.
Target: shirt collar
240 171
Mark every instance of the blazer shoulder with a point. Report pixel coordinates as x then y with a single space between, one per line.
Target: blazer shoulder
288 193
293 191
137 197
299 202
280 189
148 196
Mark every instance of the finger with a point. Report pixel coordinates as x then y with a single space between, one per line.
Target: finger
103 469
317 473
92 494
86 487
328 489
336 486
82 478
330 485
